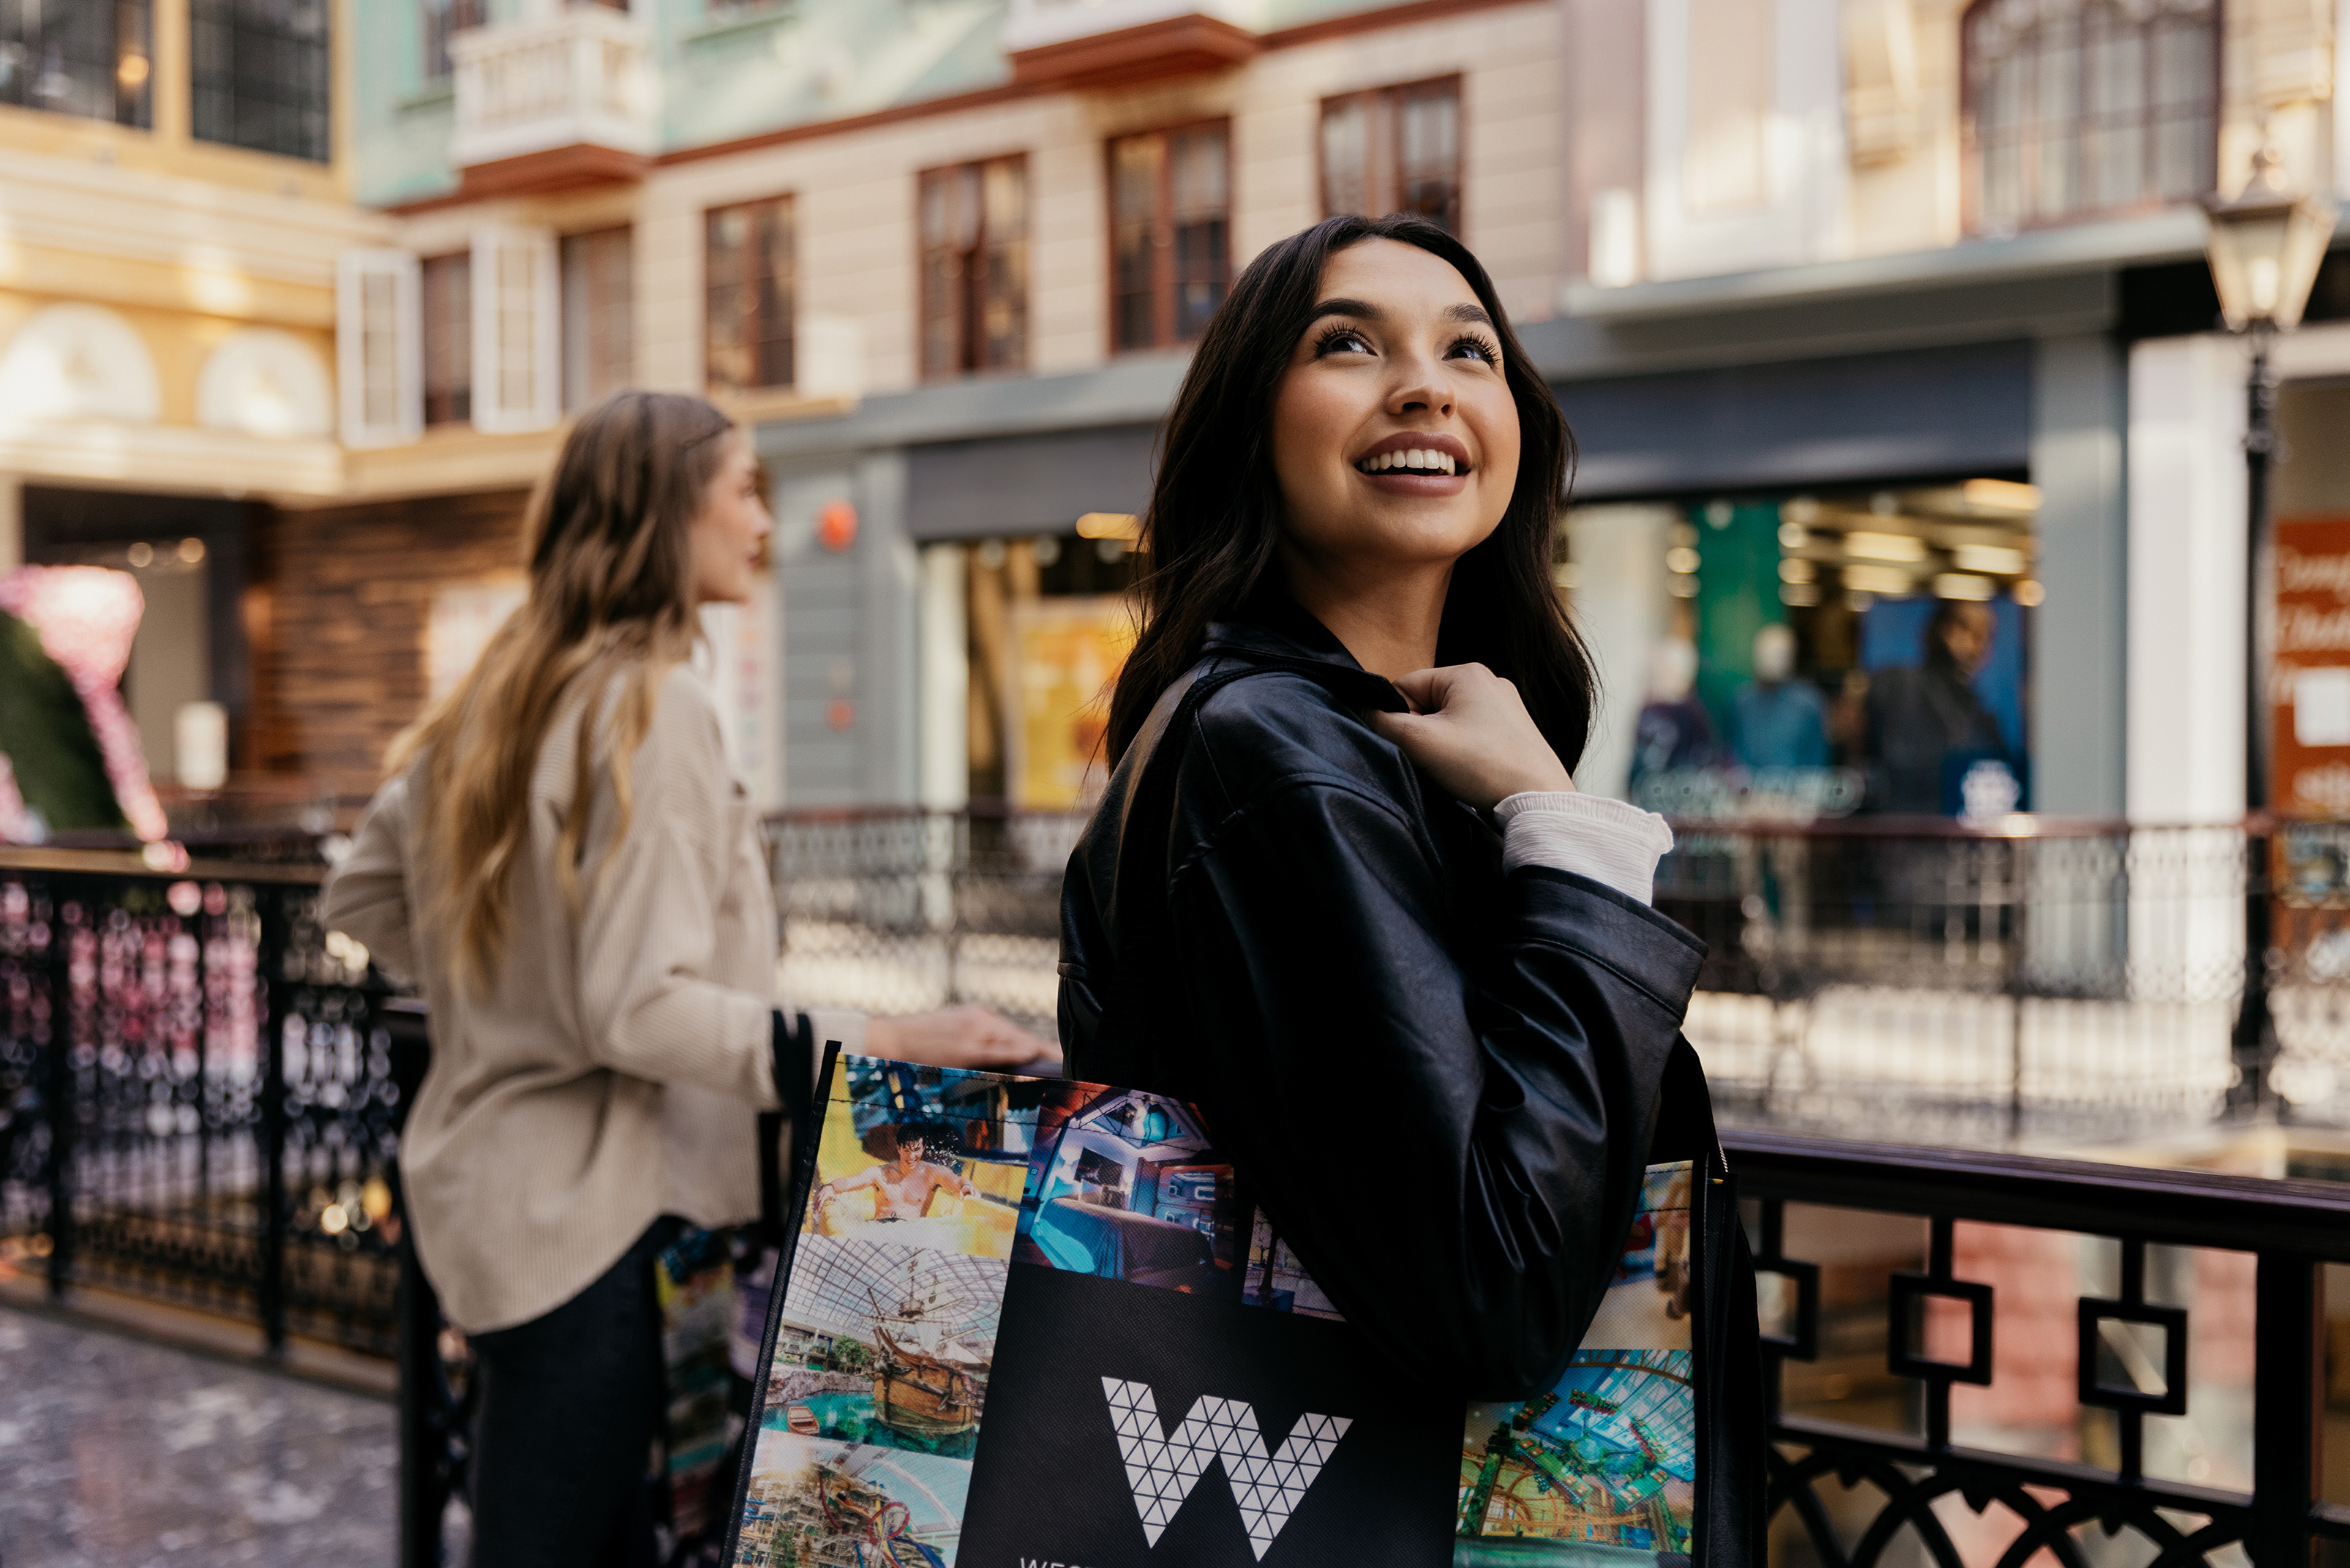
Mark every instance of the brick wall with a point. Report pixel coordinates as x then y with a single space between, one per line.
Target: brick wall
337 618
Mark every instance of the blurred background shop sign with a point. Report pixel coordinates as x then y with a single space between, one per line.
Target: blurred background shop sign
2310 682
1067 653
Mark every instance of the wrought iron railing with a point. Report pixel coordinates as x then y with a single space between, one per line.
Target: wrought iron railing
2056 980
199 1101
2168 1298
202 1090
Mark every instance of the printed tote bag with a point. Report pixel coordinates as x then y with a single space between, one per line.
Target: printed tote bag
1032 1323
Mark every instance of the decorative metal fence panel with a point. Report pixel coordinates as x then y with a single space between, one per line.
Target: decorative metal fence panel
200 1091
2014 1377
2062 981
197 1103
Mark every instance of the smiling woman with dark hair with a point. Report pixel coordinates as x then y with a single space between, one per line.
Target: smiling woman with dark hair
1341 868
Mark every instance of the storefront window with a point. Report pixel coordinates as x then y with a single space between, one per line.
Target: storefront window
1049 627
1826 652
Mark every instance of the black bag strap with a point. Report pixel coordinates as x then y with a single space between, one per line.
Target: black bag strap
1146 823
1148 815
794 1067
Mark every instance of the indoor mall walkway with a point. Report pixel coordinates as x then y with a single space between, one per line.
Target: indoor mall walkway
117 1453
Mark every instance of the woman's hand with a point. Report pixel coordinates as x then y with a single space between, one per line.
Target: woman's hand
1469 731
963 1036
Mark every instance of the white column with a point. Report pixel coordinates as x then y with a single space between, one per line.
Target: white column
944 747
2185 680
2184 740
1622 610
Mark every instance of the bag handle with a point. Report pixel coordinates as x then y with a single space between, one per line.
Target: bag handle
1143 831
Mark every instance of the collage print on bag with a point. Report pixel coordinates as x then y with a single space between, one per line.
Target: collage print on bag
1608 1457
932 1184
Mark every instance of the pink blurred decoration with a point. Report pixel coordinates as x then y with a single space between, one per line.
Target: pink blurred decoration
16 822
86 618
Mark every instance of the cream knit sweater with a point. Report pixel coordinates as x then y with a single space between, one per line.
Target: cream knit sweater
611 1069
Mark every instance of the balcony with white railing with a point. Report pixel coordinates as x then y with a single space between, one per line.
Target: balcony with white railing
571 91
1106 43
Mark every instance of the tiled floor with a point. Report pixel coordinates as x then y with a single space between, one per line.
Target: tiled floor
115 1453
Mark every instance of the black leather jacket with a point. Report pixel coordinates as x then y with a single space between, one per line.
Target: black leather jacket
1440 1083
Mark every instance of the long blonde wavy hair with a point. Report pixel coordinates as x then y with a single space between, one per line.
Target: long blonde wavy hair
611 605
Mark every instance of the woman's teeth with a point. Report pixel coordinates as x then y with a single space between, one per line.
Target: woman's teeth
1414 457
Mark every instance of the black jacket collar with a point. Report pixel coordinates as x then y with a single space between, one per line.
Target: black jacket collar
1271 629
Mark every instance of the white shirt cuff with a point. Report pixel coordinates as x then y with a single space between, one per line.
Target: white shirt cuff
1613 842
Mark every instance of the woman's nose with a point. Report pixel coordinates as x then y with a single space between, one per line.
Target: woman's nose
1419 384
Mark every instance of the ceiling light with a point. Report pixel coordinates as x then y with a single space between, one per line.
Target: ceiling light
2001 495
1109 525
1963 585
1885 546
1996 559
1876 580
1681 558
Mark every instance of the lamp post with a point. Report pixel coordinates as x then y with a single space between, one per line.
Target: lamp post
2265 247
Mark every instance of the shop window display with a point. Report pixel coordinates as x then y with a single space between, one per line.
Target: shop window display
1048 627
1840 651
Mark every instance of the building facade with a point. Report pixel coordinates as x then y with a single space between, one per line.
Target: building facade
177 188
945 261
1857 307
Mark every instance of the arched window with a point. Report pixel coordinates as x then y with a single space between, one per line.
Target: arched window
2082 108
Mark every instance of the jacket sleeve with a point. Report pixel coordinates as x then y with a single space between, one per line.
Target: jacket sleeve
1456 1165
648 929
367 894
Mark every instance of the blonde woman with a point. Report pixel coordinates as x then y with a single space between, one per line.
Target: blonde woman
564 862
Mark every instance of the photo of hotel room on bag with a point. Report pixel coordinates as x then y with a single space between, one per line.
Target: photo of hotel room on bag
1126 1186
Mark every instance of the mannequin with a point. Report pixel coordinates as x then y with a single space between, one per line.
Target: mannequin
1674 732
1776 720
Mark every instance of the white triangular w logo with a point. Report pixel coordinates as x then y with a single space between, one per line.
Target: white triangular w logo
1163 1467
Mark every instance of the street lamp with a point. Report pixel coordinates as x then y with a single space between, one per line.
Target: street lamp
2265 247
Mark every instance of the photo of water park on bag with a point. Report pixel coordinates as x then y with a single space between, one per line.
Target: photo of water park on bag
1605 1462
885 1344
810 1503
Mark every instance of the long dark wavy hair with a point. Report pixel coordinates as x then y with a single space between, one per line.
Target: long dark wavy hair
1215 517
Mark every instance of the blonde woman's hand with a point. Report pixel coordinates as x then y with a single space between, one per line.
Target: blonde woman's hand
1469 730
963 1036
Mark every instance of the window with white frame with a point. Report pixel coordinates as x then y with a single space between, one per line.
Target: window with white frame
378 347
2082 108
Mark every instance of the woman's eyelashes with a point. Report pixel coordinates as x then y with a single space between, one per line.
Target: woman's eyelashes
1484 351
1331 337
1340 339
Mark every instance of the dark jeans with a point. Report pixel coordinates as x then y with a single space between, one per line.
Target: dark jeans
570 1404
